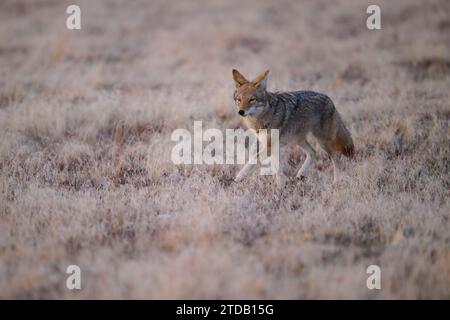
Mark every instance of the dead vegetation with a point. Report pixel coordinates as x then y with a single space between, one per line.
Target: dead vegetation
86 176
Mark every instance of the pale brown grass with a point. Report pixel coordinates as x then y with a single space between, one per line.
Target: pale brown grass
86 176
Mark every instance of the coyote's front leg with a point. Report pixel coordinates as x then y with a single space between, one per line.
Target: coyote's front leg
249 167
265 153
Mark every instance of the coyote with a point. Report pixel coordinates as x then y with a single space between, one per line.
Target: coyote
295 114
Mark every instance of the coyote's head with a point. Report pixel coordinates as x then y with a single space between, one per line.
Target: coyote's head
250 96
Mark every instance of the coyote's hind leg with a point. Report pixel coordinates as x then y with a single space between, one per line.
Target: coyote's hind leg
336 160
310 158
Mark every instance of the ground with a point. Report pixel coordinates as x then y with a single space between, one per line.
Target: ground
85 171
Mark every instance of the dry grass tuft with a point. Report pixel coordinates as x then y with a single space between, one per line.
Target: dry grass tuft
86 176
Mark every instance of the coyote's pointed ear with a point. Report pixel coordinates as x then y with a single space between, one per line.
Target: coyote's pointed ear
261 80
239 79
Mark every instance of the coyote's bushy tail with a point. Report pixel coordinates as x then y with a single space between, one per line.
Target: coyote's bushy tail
344 141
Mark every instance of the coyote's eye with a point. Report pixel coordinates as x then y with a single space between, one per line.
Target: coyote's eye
252 100
238 100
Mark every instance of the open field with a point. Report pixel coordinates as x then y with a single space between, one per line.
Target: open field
86 176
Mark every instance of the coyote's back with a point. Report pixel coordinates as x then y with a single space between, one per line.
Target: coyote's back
308 111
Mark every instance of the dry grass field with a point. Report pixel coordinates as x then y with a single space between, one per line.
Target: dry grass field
86 176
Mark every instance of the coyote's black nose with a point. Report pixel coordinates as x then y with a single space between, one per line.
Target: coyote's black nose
241 112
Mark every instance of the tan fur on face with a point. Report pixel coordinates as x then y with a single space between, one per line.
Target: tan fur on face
244 94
